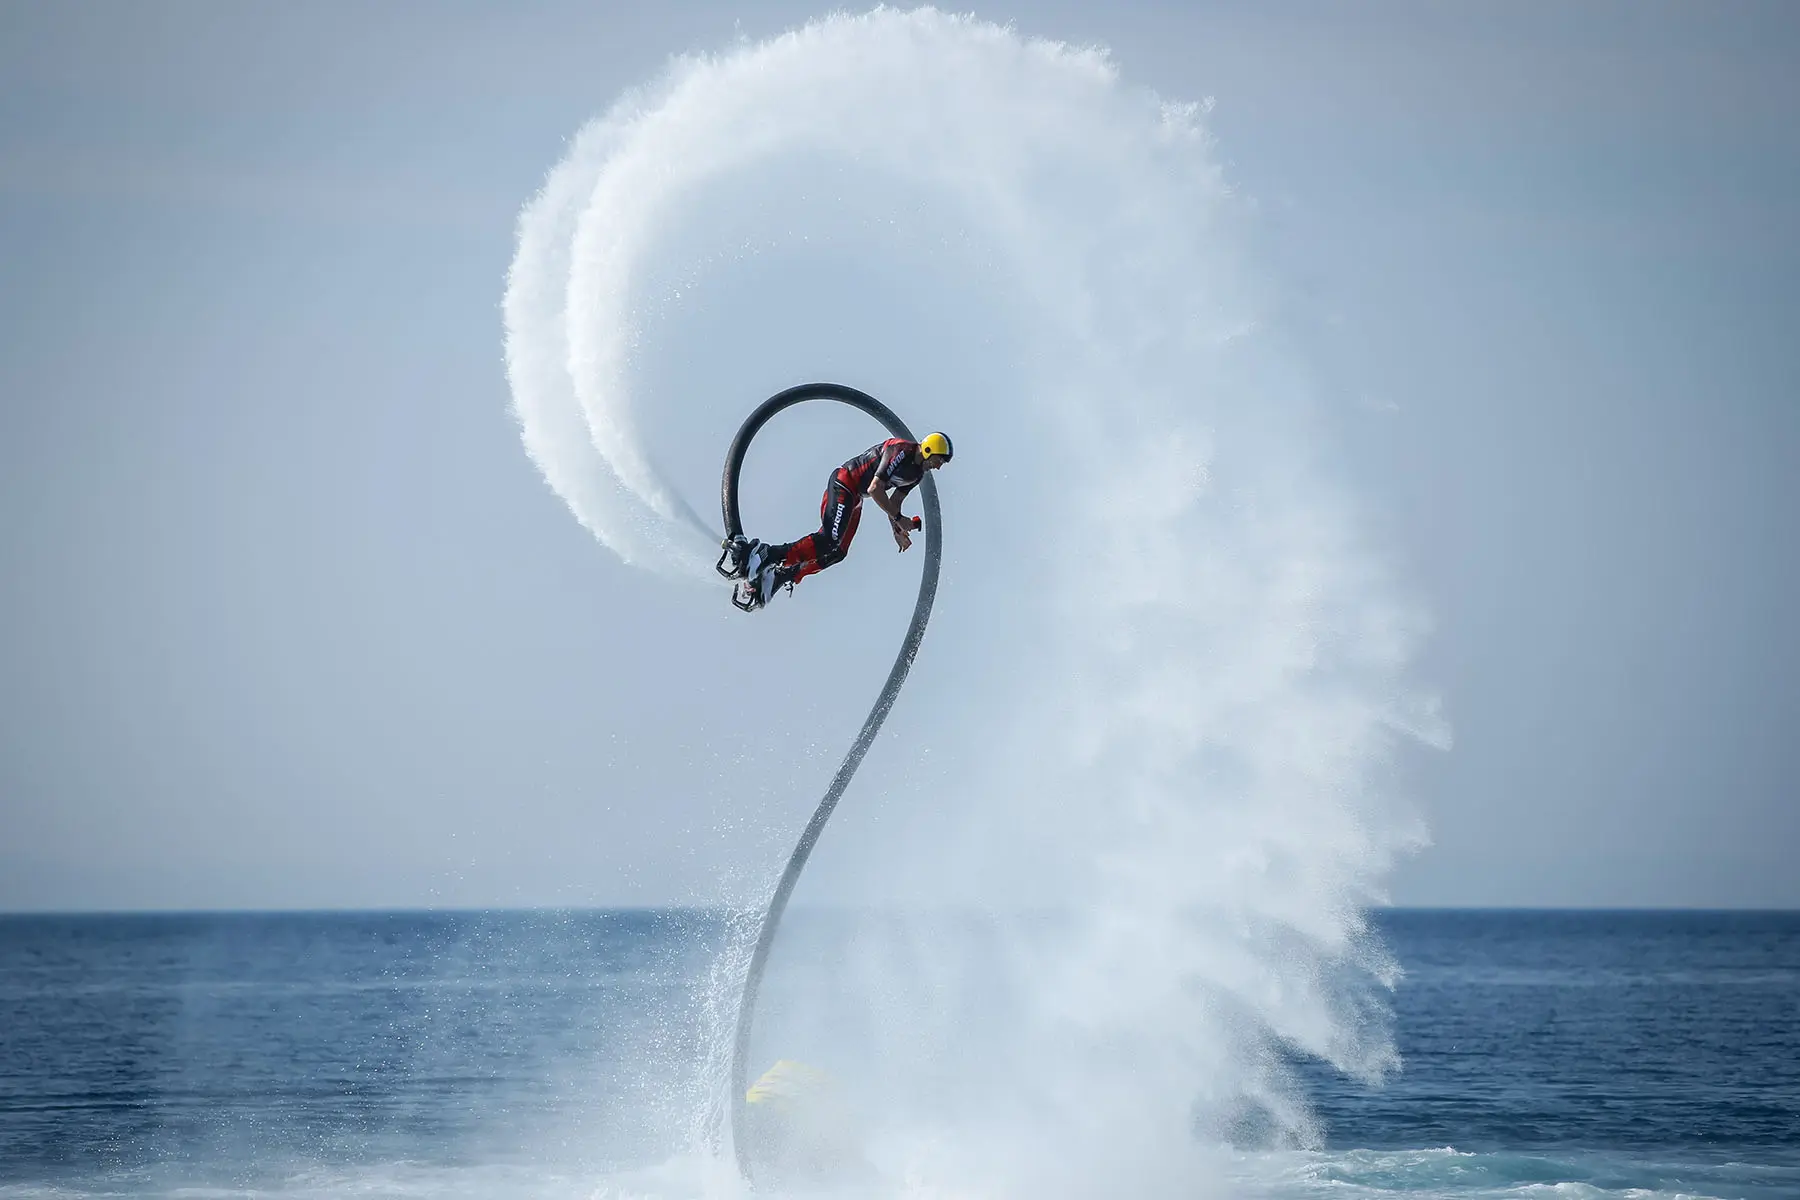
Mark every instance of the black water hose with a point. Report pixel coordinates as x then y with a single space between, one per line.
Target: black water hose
909 649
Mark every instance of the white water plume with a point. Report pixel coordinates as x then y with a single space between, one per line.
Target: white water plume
1169 677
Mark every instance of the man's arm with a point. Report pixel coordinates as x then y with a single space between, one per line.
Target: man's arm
889 501
886 498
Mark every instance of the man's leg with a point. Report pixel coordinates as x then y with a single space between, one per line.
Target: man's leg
839 515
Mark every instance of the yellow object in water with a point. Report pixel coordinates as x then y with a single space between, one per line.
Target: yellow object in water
799 1126
788 1079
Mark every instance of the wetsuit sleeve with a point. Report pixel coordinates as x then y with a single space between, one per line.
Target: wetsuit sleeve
892 455
884 466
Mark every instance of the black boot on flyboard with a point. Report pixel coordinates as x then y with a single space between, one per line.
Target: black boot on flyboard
755 566
743 557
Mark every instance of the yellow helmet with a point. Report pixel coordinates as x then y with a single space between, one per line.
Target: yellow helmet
936 443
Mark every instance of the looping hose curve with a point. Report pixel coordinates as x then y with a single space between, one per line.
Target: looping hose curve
909 649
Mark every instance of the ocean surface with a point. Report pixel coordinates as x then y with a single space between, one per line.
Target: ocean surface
567 1054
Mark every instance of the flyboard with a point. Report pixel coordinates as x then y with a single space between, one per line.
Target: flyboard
890 691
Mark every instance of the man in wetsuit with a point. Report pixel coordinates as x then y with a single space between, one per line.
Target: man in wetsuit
885 472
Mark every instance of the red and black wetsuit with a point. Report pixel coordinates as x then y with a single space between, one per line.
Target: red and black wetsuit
896 462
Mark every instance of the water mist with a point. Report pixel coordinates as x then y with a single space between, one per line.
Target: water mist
1171 677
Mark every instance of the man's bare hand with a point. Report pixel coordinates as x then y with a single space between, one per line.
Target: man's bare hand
902 538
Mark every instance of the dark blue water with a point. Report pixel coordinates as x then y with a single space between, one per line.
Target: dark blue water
233 1048
1611 1050
1625 1030
539 1054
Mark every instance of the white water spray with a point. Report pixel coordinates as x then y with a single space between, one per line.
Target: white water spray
1173 675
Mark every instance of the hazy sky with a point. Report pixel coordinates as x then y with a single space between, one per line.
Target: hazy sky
288 618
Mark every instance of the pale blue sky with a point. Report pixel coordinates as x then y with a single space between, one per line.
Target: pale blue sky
288 618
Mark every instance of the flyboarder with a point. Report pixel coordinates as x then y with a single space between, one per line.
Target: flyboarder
885 472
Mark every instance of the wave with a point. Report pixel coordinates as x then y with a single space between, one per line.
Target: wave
1440 1174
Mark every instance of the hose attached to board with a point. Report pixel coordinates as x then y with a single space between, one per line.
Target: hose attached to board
909 649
